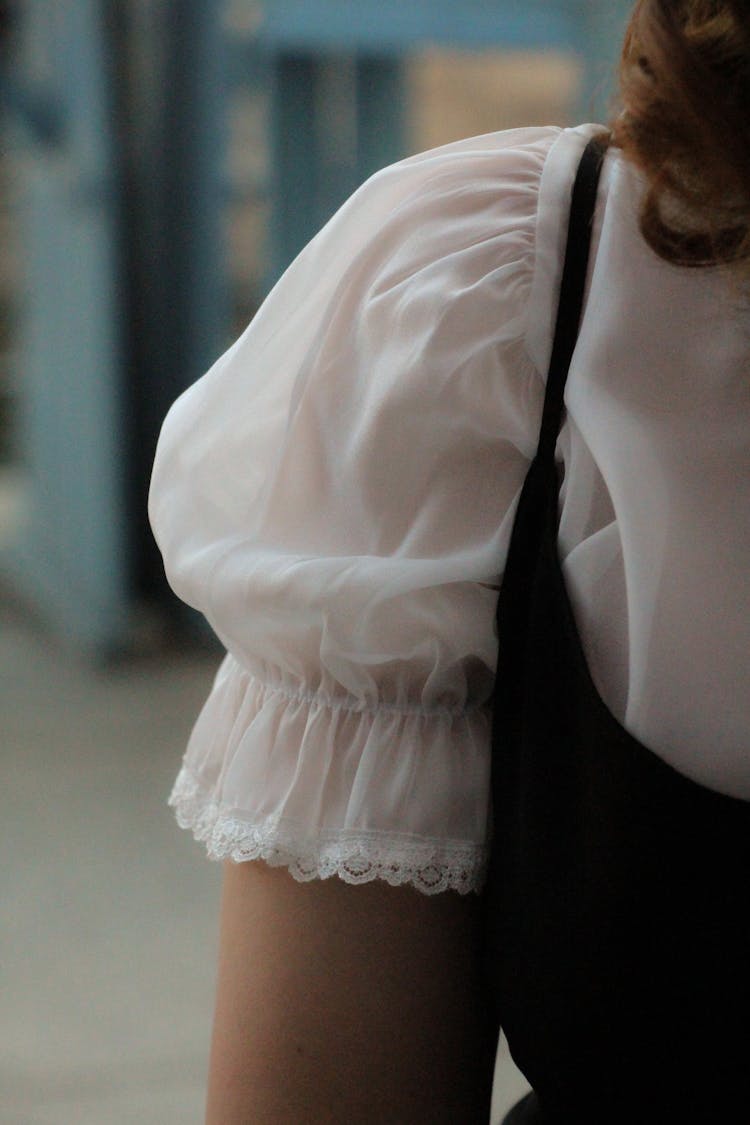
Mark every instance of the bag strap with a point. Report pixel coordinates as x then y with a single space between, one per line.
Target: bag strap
572 286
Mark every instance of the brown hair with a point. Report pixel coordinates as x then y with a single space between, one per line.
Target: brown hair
685 121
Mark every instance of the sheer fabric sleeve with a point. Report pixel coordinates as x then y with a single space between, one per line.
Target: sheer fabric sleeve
336 496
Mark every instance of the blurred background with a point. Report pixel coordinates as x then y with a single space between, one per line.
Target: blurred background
162 162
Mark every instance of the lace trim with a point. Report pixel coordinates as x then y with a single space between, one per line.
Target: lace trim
431 866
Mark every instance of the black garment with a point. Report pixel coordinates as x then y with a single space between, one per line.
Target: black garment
618 899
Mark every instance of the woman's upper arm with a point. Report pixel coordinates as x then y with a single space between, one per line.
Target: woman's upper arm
344 1004
336 496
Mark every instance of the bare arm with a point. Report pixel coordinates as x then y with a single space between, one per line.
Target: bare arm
349 1005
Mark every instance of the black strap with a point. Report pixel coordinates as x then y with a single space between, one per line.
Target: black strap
570 307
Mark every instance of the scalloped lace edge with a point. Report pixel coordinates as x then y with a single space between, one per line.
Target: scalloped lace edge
430 866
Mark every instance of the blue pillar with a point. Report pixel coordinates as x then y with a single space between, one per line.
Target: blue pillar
125 295
294 170
69 560
382 112
336 117
173 127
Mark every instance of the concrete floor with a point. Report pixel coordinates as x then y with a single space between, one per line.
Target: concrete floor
107 910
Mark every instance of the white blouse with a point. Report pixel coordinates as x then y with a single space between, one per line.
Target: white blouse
336 496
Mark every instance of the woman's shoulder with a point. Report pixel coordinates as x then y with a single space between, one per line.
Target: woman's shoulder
506 188
467 206
515 159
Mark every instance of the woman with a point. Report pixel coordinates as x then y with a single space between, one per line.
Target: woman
337 496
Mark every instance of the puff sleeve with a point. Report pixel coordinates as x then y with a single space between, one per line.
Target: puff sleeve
336 496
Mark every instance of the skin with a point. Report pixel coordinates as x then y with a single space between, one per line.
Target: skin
349 1005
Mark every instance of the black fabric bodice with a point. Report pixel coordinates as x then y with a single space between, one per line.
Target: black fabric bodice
618 898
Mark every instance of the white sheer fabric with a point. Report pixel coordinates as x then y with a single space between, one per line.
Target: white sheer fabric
337 493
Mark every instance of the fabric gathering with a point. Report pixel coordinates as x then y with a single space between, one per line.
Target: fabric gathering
336 496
